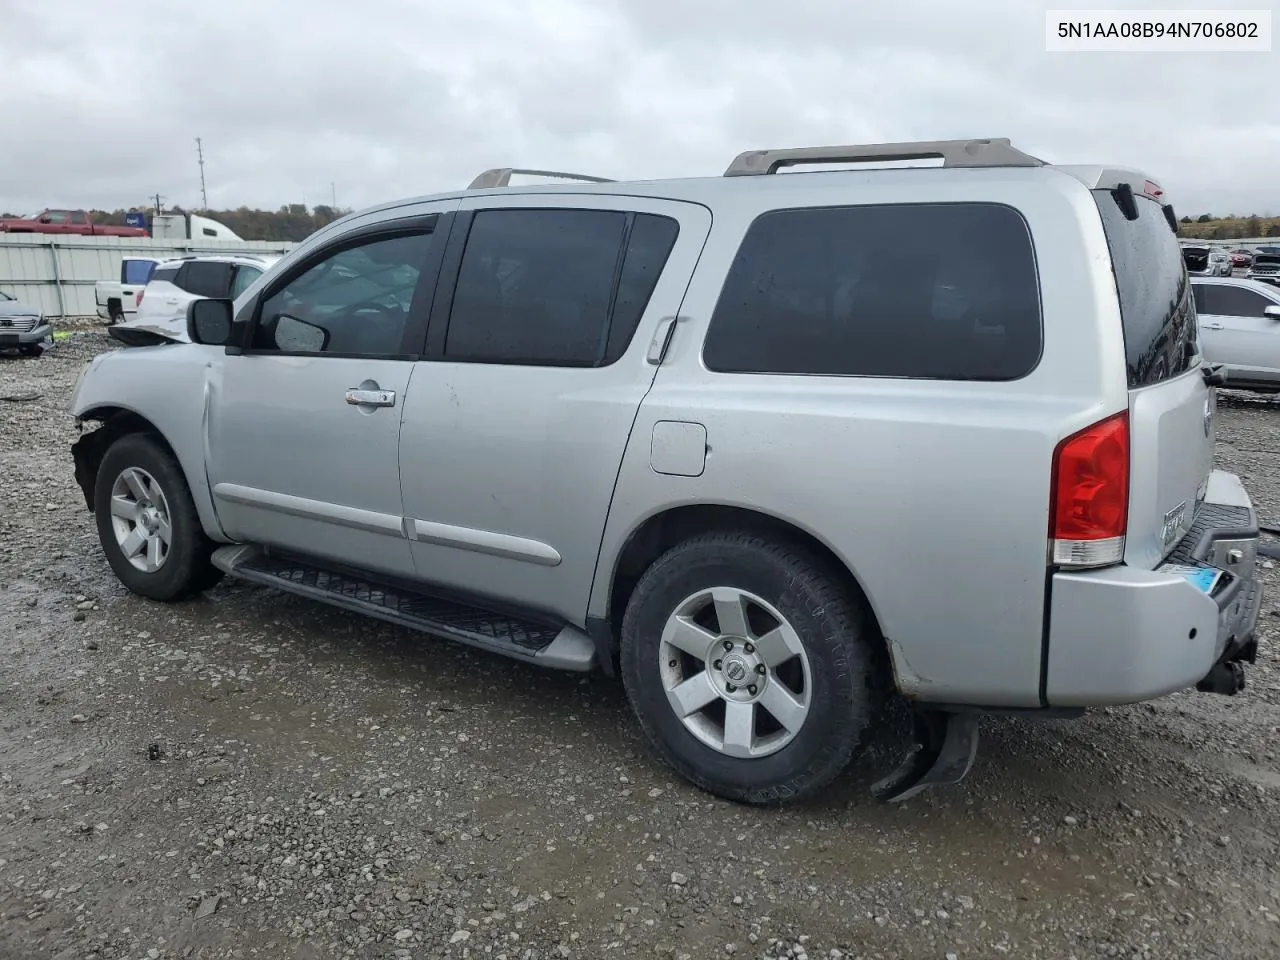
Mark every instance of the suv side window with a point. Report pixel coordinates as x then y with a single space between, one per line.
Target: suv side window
1236 302
167 274
79 218
205 278
357 300
926 291
54 216
555 287
244 277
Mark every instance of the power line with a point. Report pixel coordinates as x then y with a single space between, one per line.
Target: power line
204 197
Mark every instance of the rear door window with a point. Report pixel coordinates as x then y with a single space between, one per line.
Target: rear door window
923 290
167 274
555 287
206 278
1234 302
1157 310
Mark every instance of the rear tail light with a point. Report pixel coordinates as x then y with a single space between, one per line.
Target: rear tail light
1089 499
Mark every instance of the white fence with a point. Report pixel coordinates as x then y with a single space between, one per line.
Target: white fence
57 273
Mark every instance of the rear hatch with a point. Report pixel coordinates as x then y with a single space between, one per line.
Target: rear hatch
1170 406
1196 258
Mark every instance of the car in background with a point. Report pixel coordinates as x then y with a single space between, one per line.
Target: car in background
1241 258
22 327
1240 328
162 304
1206 261
68 222
1266 265
118 299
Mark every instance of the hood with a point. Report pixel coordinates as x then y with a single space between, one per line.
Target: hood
145 333
15 308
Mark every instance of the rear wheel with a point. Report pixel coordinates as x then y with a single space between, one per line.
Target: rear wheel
752 667
115 313
147 522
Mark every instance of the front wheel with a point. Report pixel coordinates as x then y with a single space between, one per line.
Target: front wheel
752 667
147 522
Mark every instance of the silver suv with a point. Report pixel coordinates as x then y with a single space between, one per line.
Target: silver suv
770 447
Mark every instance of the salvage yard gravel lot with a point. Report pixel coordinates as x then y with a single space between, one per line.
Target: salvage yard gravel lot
250 774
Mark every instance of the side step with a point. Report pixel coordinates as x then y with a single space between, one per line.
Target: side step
559 647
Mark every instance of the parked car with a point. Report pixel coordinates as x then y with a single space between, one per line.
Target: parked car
22 327
768 448
1206 261
162 304
118 299
75 222
1266 265
1241 258
1240 328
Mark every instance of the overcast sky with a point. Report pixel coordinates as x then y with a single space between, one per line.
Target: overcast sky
101 100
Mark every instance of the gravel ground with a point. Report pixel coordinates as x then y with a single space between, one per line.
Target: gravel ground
254 775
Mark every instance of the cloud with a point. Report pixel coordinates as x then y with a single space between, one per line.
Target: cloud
101 103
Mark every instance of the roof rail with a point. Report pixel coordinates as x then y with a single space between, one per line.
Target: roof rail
991 152
501 177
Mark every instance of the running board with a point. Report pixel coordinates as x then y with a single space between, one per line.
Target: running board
561 647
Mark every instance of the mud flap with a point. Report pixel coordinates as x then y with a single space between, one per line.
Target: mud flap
946 744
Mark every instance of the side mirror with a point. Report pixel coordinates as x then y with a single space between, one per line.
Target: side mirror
298 336
209 322
1272 311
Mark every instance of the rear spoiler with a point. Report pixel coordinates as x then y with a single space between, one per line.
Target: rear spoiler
1125 185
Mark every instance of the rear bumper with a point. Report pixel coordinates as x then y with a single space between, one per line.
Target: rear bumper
21 338
1123 634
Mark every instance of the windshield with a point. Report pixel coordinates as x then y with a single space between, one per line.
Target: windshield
1156 307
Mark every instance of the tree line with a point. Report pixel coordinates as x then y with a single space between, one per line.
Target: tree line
1231 227
293 221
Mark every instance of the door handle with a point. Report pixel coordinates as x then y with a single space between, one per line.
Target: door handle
1213 326
360 397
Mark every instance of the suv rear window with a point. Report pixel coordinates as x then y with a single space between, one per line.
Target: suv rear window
139 271
1156 307
922 290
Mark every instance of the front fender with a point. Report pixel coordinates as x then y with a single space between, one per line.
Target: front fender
166 389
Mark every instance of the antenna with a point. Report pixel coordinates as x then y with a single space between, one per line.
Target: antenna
204 197
333 195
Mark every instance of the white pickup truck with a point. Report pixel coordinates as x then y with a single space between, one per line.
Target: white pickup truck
118 299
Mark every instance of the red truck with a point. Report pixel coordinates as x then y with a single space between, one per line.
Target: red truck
65 222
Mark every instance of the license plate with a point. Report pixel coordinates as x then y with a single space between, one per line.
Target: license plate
8 340
1203 579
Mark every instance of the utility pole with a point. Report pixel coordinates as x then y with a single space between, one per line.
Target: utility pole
159 208
204 197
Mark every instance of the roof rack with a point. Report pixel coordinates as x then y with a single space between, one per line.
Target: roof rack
991 152
501 177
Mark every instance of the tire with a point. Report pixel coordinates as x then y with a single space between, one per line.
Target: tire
137 468
115 313
837 673
31 350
